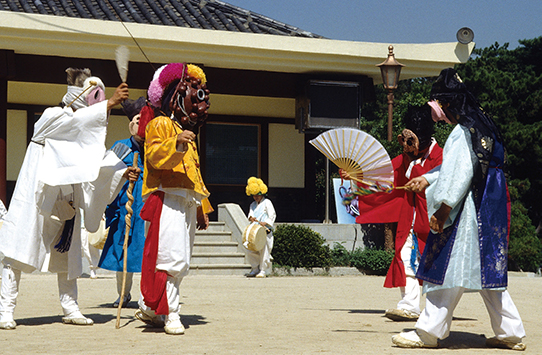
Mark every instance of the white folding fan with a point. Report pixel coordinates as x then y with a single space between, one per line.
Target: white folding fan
359 154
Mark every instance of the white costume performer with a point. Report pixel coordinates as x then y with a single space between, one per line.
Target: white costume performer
452 262
64 169
261 261
463 272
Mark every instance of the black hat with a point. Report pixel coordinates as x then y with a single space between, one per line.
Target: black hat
450 89
418 119
133 107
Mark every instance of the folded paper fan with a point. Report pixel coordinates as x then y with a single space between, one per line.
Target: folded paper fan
360 155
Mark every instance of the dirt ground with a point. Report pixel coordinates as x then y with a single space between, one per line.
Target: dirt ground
236 315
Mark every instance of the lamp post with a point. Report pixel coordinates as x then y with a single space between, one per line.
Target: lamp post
390 70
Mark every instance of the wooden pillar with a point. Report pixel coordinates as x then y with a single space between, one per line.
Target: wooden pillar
7 71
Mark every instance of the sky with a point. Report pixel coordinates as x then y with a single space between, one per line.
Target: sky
407 21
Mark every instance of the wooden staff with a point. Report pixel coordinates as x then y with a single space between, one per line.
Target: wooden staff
128 220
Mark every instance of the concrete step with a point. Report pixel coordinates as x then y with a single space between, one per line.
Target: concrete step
217 258
214 227
218 236
220 269
215 247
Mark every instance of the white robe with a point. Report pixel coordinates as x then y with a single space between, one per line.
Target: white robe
263 212
64 161
450 183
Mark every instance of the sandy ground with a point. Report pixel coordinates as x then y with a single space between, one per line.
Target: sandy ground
236 315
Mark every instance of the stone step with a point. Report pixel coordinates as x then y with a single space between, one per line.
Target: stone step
217 258
220 269
218 236
215 247
214 227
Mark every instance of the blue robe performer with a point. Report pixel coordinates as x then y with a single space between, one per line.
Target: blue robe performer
469 209
113 254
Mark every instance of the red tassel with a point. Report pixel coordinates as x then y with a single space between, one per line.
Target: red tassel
147 114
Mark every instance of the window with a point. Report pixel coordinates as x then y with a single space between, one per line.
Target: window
232 153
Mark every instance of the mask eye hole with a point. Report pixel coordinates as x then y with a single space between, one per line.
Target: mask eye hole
201 94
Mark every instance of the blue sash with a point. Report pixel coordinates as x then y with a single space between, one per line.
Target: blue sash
492 214
491 202
436 255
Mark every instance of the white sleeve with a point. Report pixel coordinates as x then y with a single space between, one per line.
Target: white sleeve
455 176
102 191
270 212
432 175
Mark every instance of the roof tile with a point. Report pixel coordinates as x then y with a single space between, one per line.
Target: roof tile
203 14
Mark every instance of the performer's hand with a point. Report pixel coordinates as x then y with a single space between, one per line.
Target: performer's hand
203 221
252 219
417 184
344 175
132 173
183 138
121 94
439 218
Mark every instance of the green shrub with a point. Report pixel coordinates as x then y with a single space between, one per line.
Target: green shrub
525 248
340 256
372 261
300 247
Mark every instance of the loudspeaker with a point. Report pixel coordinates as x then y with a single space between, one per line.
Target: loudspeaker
465 35
328 104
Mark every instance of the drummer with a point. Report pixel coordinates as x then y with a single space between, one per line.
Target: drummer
261 211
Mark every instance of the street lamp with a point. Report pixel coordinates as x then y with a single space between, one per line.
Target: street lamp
390 70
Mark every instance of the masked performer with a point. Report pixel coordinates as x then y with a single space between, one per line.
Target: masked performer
261 211
113 253
175 196
65 168
467 199
421 153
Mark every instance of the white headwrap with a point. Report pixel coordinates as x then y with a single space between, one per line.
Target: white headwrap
74 91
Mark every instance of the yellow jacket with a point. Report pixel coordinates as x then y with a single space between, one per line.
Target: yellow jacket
166 166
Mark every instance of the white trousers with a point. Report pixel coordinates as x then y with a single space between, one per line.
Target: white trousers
175 244
410 294
261 259
11 278
173 298
176 235
436 318
91 253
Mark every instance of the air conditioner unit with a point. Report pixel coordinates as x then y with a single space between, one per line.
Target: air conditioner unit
328 104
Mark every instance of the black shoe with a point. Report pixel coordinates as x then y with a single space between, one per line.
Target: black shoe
127 300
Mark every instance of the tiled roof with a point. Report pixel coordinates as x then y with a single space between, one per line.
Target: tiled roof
203 14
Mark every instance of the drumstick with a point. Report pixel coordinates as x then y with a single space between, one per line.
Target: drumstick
128 220
267 229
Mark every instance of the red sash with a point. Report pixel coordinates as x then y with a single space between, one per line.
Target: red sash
153 282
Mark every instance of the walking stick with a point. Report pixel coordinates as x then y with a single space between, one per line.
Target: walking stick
128 220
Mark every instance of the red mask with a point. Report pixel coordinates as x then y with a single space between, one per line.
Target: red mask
189 103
